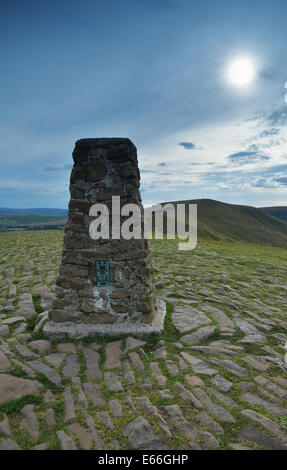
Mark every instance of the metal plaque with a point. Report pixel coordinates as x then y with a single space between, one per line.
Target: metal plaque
103 272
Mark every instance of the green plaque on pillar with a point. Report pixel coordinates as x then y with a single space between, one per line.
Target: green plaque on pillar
103 273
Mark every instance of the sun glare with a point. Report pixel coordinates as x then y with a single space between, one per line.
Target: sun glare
241 71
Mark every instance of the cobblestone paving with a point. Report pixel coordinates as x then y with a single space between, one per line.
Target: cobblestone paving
215 379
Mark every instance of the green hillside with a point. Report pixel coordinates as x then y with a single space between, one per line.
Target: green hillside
231 222
277 211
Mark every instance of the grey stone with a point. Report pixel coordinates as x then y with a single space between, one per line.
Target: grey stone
113 355
24 351
266 423
166 393
116 408
257 364
197 365
209 441
4 330
199 336
193 380
26 306
29 421
221 383
105 417
267 405
182 364
41 322
94 393
253 339
141 436
42 346
130 402
51 374
49 397
250 433
92 359
12 388
205 420
9 445
236 446
72 366
69 329
4 361
43 446
213 350
270 386
147 405
221 397
133 343
246 327
187 318
172 367
217 410
231 367
67 347
100 445
177 419
50 417
136 361
5 427
146 385
157 374
113 383
225 324
130 378
160 353
84 436
69 405
66 442
186 395
55 359
12 320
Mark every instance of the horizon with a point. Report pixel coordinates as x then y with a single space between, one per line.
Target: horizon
146 206
203 96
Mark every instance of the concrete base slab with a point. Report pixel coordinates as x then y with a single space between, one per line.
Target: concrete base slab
72 330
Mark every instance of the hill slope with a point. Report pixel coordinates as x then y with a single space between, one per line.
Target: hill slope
216 220
232 222
280 212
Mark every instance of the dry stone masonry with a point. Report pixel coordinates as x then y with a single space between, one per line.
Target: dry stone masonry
105 286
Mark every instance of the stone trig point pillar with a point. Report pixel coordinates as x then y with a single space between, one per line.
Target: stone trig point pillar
104 286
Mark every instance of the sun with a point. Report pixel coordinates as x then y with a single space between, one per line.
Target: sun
241 71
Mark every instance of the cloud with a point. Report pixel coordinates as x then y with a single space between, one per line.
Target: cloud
282 180
276 168
243 158
188 145
278 117
58 168
269 132
263 183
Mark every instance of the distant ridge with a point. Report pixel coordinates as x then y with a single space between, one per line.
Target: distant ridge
277 211
216 220
231 222
39 211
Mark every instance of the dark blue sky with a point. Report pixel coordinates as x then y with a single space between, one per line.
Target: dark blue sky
154 71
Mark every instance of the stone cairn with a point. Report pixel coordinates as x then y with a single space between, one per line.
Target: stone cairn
104 286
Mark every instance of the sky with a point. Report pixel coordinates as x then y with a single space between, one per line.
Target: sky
158 72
